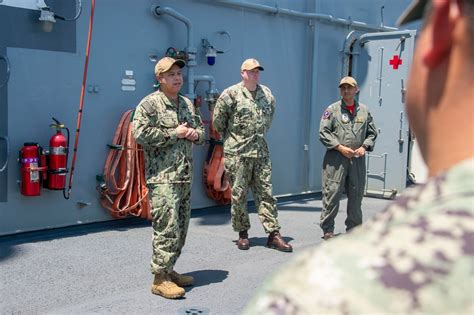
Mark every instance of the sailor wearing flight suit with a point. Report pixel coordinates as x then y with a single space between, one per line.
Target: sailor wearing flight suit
348 131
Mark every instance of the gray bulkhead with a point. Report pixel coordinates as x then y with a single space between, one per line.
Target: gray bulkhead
303 58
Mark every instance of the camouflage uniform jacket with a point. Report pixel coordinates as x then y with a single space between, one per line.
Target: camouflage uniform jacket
243 121
168 159
339 126
416 257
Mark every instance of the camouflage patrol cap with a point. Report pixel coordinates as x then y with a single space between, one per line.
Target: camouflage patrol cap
414 12
166 63
251 64
348 80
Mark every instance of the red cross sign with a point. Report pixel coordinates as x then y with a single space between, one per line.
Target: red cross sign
395 62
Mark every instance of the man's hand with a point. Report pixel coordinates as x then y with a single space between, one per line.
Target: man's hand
182 130
346 151
192 134
359 152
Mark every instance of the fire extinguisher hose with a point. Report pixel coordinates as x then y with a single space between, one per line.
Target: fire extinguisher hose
124 191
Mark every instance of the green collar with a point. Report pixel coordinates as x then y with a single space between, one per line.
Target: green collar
168 102
258 95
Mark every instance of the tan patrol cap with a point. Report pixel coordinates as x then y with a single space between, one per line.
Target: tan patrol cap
166 63
250 64
414 12
348 80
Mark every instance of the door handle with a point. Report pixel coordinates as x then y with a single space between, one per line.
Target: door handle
403 91
8 153
380 74
5 58
400 132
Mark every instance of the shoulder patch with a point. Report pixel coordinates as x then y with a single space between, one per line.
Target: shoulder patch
147 107
326 115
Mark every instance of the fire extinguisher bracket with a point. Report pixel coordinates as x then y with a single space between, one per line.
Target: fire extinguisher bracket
58 171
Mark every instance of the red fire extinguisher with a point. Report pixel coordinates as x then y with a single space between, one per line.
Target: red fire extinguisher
32 163
57 158
43 167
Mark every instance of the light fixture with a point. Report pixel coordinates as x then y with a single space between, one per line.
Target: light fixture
211 54
47 16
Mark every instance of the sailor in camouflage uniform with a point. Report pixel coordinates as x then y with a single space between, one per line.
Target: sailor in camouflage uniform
347 130
417 256
167 125
242 115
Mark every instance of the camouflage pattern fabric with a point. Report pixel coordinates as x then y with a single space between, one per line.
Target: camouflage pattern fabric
243 121
168 169
255 173
416 257
167 158
339 126
171 210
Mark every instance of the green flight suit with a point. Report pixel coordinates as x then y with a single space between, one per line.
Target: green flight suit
339 126
169 171
243 121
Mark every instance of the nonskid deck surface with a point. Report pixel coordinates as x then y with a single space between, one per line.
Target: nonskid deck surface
105 268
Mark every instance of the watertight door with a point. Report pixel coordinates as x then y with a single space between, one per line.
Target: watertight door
380 65
4 144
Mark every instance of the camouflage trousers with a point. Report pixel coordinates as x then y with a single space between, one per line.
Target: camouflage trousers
171 210
339 174
255 173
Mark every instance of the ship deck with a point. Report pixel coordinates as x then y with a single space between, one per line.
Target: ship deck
104 267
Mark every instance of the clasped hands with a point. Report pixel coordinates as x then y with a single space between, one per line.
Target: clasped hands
185 132
349 153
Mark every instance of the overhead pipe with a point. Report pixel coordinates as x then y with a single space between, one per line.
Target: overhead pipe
368 37
212 93
190 49
311 16
347 51
207 78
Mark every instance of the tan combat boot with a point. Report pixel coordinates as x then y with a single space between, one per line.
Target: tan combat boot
162 285
181 280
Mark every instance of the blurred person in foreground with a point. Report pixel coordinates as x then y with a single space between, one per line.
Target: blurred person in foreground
417 256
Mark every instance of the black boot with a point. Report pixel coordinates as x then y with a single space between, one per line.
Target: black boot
243 242
276 241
